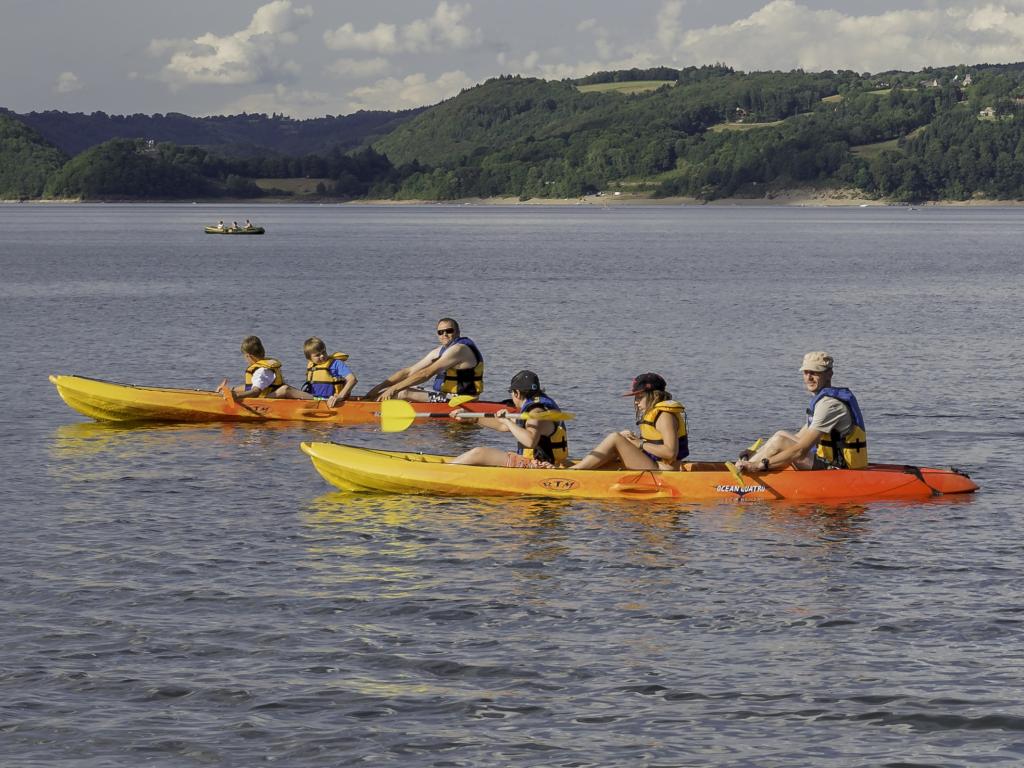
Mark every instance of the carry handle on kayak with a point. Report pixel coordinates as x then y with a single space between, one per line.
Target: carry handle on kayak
399 415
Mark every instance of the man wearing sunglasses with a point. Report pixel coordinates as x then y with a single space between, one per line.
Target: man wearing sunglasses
833 437
456 367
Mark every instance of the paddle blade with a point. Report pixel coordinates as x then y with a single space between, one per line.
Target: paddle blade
458 400
736 474
396 416
547 416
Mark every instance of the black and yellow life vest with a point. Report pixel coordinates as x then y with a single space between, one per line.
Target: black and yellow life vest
322 383
553 448
649 431
461 381
270 363
849 451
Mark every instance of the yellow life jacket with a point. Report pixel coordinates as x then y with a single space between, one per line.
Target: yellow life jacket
649 431
270 363
553 448
319 378
849 451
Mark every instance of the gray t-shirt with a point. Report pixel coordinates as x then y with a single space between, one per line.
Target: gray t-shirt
830 414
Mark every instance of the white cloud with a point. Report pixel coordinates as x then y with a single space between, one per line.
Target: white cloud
381 39
357 67
412 91
669 23
299 104
67 82
248 56
784 34
445 30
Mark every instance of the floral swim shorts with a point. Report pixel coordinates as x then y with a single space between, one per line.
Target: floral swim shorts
515 461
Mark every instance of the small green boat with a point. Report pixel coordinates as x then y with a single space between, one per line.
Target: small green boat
234 230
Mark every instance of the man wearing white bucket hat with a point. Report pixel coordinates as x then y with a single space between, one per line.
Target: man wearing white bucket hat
833 437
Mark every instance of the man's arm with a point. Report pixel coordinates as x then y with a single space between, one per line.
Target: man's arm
428 368
399 375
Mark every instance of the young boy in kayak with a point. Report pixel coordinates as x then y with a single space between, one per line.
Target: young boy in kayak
662 443
327 376
457 368
541 443
833 436
262 378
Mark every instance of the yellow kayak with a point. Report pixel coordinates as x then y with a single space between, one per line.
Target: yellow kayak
109 401
361 469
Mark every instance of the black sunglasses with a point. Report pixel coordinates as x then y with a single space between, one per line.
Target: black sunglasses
445 331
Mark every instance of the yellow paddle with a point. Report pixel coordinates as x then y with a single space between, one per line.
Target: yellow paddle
399 415
732 467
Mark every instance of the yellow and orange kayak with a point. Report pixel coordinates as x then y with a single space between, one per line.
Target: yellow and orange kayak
107 401
360 469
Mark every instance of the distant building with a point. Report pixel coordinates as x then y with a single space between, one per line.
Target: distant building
988 113
967 79
740 114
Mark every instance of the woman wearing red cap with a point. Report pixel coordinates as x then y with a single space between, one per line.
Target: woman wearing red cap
662 442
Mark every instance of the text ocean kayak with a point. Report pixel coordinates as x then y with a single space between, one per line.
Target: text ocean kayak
360 469
107 401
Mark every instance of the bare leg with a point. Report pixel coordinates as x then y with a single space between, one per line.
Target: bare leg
414 395
777 443
286 392
482 457
616 447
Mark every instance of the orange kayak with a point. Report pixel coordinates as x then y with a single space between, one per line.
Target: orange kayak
360 469
107 401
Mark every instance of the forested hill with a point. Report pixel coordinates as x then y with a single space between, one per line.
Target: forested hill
26 160
707 132
711 132
234 135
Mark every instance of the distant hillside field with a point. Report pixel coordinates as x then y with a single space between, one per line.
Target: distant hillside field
638 86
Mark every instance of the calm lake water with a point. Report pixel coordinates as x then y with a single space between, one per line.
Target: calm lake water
197 596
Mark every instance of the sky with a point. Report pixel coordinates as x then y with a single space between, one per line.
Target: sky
310 58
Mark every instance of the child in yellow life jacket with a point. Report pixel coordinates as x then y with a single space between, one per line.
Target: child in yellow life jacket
541 443
327 376
263 376
662 443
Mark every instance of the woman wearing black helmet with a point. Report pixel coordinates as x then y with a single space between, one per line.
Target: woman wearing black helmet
662 442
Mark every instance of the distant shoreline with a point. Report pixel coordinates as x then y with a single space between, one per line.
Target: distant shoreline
792 198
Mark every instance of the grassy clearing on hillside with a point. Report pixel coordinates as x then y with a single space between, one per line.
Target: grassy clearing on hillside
836 98
868 151
301 186
743 126
632 86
